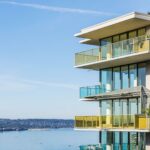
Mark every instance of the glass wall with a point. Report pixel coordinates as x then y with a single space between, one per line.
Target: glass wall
116 140
116 112
124 139
124 77
116 78
105 48
106 79
141 74
133 75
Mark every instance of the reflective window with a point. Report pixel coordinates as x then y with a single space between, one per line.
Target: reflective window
104 139
124 77
116 112
106 107
132 34
139 106
116 78
117 47
133 140
125 47
141 32
106 79
133 75
116 140
133 106
141 74
124 141
105 48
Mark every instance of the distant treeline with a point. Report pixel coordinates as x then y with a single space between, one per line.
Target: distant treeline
25 124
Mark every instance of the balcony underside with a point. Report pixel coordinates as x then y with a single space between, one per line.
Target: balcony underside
118 94
113 62
112 130
114 26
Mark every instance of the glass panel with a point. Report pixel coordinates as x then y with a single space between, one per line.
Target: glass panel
117 46
141 74
133 75
141 32
132 34
131 41
103 107
133 108
124 141
139 106
124 112
124 77
142 141
106 79
133 139
124 43
104 139
116 140
116 78
106 48
116 112
123 36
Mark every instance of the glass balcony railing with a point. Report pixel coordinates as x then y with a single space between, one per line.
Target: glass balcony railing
92 90
139 122
113 50
90 147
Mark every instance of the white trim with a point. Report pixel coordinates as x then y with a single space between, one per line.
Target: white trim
113 21
117 129
111 59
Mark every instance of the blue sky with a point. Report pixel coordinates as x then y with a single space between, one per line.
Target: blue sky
37 46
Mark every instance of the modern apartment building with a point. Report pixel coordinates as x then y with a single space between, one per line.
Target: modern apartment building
122 59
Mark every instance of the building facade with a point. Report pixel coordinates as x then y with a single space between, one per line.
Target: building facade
122 59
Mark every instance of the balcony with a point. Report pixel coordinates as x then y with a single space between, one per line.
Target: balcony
90 147
119 53
91 91
112 123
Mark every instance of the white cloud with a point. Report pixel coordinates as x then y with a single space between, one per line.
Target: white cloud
57 9
10 83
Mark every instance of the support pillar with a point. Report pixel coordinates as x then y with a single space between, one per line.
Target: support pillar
147 141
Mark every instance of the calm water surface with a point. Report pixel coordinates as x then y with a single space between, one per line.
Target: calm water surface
59 139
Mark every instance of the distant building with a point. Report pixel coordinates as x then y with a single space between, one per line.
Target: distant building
122 60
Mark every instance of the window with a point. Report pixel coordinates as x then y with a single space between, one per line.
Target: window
116 140
106 79
133 75
124 77
116 78
141 74
116 51
106 48
132 34
141 32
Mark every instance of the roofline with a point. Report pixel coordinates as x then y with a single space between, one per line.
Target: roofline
113 21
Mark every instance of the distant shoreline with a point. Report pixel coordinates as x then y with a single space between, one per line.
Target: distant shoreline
34 124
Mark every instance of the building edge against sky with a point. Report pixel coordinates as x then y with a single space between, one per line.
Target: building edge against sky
122 60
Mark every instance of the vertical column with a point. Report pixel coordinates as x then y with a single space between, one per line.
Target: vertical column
148 81
147 141
100 138
109 141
